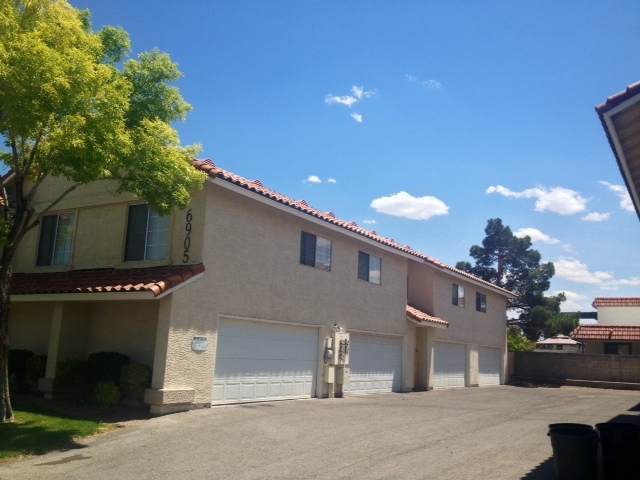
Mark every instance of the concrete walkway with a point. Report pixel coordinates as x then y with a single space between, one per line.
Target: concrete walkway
472 433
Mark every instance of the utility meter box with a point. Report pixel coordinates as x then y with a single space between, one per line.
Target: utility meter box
329 374
341 347
343 375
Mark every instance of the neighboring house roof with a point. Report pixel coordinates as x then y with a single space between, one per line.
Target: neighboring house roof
620 117
421 318
558 340
616 302
154 280
257 187
607 332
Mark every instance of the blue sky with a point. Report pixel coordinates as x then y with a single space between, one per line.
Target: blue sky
418 119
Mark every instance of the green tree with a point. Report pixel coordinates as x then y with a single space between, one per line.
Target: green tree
73 106
509 262
517 342
561 324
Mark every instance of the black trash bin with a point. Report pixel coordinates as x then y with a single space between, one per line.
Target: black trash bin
553 426
575 452
620 444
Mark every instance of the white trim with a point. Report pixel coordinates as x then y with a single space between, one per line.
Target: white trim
252 319
380 334
99 296
430 324
618 147
83 297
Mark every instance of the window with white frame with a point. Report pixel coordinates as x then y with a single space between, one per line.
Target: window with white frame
481 302
56 239
147 235
315 251
369 268
457 295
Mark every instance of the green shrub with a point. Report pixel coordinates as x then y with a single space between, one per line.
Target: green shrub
36 369
18 369
71 377
108 394
106 366
134 379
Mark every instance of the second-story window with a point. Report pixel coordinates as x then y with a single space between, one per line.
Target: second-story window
147 235
481 302
315 251
369 268
457 295
56 239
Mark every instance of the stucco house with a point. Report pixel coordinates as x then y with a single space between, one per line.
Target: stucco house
245 296
618 328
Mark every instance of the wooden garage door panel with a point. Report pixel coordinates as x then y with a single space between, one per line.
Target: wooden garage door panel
258 361
489 366
376 364
449 365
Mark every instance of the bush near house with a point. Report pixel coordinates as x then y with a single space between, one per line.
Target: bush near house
71 378
106 366
36 369
18 369
517 342
108 394
134 379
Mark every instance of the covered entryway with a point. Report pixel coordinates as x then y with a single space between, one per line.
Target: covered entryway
489 366
260 361
449 365
376 364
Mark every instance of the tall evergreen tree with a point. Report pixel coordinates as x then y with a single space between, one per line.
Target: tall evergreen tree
509 262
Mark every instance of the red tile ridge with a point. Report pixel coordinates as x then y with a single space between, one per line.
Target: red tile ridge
422 317
616 302
209 167
615 100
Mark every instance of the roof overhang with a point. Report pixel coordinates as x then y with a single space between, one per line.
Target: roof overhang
108 284
422 319
620 117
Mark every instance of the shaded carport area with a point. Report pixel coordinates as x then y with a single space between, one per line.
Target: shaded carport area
70 314
498 433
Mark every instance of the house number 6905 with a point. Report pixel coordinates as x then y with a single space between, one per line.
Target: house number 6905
187 238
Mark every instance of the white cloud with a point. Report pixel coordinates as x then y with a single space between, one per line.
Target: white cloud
369 222
347 100
359 93
405 205
536 236
575 271
331 180
575 302
596 217
313 179
357 117
430 84
557 199
623 193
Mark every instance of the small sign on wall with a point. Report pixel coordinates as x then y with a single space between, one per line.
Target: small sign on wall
199 344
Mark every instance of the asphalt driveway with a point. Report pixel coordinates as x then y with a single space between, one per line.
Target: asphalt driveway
471 433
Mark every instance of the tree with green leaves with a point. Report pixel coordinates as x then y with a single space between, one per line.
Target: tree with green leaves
72 105
509 262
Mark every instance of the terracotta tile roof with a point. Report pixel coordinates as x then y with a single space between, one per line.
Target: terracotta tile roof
615 100
421 317
104 280
607 332
256 186
616 302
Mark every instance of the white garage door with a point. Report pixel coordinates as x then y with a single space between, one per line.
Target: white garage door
449 365
376 364
258 361
489 366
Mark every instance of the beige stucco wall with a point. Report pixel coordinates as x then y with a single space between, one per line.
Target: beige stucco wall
29 326
101 222
430 291
619 315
